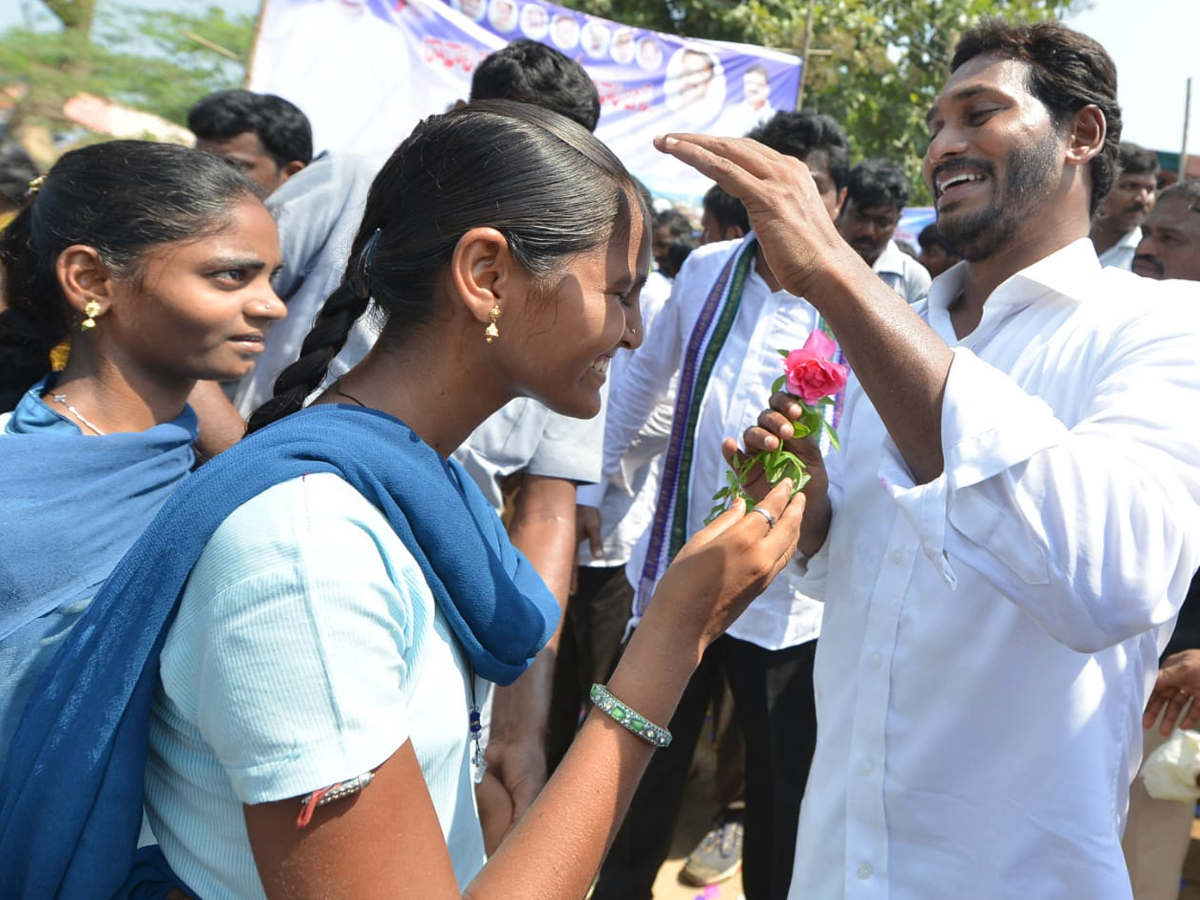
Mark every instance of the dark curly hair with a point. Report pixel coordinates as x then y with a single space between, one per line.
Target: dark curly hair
1067 71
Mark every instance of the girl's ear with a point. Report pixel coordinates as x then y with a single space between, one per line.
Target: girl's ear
484 273
84 278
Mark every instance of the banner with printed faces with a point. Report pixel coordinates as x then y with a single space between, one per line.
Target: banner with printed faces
366 71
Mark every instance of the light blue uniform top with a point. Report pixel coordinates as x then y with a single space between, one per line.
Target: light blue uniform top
307 650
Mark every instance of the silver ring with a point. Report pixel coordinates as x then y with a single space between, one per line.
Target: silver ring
766 515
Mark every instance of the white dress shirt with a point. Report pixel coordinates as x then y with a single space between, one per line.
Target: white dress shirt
738 390
990 637
902 273
1120 255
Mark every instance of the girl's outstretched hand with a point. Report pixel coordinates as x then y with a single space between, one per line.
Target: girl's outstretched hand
725 566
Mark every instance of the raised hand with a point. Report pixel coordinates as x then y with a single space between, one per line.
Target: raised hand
793 225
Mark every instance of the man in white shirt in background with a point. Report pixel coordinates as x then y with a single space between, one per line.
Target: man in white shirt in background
1116 227
1159 831
1014 522
875 197
767 654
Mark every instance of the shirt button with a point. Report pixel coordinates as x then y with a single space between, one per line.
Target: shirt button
875 661
897 556
865 872
865 767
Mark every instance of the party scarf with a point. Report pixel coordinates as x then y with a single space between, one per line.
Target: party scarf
71 787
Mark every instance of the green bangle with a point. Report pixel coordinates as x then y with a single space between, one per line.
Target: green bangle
623 715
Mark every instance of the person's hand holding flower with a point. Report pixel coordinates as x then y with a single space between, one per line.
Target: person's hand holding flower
812 379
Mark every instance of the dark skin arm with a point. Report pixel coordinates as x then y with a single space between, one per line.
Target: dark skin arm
1178 682
386 843
543 528
221 426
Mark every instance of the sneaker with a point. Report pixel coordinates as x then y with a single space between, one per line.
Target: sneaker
718 856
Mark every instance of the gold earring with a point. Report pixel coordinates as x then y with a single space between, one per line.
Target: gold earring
91 309
492 332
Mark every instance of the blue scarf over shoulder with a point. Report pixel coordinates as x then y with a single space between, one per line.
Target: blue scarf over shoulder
71 787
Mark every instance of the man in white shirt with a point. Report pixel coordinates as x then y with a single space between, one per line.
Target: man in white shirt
1116 227
1011 531
767 654
1159 831
875 197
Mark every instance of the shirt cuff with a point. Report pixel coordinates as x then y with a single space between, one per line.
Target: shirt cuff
589 495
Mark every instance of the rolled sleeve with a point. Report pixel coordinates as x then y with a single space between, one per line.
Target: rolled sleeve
571 449
285 705
1088 528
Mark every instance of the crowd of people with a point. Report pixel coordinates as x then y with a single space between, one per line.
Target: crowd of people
358 518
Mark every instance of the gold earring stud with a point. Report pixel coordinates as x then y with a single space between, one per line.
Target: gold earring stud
91 309
492 332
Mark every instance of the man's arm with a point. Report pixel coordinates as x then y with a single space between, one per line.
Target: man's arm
901 363
221 426
543 529
1089 527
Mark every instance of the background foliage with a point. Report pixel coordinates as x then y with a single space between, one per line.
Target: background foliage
136 57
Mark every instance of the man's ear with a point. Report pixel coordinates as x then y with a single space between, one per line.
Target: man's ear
483 272
83 277
841 204
1085 139
287 171
732 233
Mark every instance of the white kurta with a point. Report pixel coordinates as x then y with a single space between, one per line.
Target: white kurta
990 637
738 389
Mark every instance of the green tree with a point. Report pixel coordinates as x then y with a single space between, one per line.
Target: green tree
154 60
882 61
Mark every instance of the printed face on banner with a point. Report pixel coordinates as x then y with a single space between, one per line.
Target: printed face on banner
366 71
649 54
535 22
595 38
472 9
623 47
757 86
564 32
695 85
502 14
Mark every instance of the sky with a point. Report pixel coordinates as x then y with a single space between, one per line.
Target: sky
1152 41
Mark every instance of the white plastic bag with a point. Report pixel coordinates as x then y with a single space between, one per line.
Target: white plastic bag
1172 772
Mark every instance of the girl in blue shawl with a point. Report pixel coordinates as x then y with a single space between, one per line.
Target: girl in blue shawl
154 260
307 630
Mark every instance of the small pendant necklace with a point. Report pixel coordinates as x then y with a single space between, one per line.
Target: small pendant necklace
62 398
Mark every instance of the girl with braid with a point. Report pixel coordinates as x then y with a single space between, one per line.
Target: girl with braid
155 261
321 608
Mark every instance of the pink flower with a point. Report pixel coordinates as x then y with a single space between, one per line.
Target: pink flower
811 373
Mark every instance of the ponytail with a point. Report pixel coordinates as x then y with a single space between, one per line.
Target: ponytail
321 346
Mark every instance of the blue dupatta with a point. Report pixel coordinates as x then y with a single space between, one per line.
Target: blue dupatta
70 507
71 789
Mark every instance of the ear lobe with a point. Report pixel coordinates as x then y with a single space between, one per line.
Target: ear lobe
84 277
289 170
1086 139
482 272
841 204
